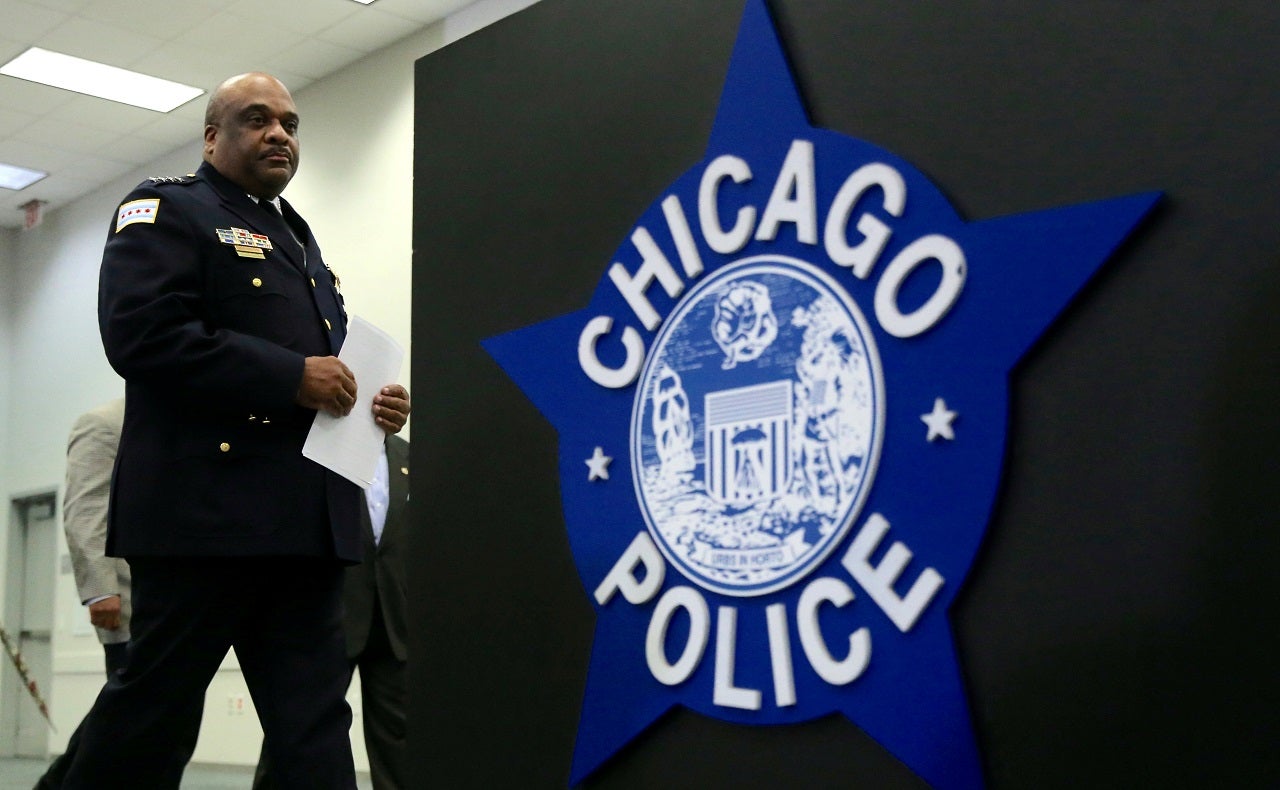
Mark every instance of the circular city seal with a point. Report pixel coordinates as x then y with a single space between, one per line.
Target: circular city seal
757 425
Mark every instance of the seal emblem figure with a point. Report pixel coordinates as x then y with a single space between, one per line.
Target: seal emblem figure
745 324
757 425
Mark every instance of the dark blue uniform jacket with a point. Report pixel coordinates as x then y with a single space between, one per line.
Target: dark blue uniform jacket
209 328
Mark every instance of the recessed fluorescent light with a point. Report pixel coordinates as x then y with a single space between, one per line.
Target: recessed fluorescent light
99 79
15 178
364 2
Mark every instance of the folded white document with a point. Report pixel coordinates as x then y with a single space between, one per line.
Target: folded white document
351 445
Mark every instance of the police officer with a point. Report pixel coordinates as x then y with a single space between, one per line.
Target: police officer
217 309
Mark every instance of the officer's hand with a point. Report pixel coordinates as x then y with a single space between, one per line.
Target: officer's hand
327 385
106 613
391 408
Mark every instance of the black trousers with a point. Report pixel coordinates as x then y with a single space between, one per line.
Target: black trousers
384 696
282 617
115 654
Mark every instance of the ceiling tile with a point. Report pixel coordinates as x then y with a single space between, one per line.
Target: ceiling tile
108 44
201 66
424 11
27 22
315 58
34 155
60 133
31 96
13 120
305 17
134 148
67 6
103 115
162 21
369 30
10 49
173 128
97 169
234 35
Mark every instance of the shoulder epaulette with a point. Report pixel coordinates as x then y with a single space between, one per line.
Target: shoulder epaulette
189 178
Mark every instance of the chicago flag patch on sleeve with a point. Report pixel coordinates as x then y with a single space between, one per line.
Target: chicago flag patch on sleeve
137 211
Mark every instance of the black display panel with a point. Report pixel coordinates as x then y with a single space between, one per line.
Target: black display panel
1115 629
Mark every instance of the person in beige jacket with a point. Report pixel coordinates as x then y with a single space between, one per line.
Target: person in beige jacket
102 581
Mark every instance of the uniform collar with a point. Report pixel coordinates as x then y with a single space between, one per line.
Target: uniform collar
230 190
275 201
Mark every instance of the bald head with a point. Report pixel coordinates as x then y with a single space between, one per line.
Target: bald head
251 133
218 99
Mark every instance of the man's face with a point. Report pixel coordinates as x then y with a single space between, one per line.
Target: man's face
254 140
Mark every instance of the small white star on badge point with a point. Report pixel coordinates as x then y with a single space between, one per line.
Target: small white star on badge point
939 421
598 465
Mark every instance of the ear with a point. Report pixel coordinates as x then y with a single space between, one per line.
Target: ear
210 136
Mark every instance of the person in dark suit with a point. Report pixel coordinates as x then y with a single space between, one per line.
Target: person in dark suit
374 620
216 308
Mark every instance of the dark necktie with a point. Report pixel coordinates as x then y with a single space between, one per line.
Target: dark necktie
282 233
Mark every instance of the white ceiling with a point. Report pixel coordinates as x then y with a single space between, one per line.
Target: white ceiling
83 142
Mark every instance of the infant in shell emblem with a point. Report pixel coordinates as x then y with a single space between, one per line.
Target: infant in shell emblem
755 439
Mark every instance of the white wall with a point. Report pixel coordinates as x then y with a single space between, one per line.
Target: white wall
8 239
7 243
354 187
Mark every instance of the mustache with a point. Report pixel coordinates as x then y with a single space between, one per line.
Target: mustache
285 152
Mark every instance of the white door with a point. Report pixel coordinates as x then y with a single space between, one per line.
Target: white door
29 622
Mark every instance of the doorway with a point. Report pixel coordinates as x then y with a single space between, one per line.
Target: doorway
28 622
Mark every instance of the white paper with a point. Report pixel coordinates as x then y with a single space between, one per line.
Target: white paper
351 445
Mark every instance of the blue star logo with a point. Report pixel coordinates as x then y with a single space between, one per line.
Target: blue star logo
767 531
